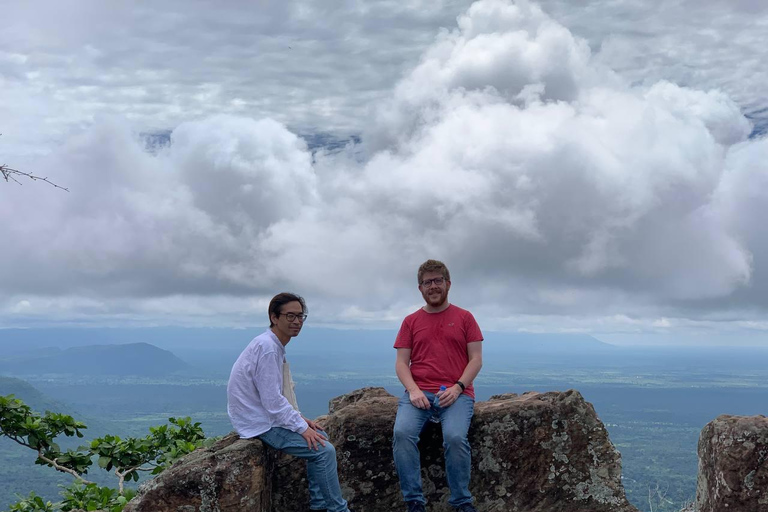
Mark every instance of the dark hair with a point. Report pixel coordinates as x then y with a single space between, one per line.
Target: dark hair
281 299
433 266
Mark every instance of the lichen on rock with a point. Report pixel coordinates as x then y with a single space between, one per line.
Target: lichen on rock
733 474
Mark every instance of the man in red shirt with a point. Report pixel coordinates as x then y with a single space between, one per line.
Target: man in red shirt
438 345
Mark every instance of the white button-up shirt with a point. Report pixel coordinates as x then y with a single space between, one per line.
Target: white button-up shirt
255 401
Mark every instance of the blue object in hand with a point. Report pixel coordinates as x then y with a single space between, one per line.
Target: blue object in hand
436 403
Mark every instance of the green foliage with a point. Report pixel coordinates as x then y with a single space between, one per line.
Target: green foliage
163 446
79 462
32 503
93 497
154 452
19 423
178 440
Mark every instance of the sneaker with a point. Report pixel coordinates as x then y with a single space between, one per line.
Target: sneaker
415 506
466 507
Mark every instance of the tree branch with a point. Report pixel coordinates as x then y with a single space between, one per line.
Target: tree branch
121 476
63 469
22 443
10 174
120 480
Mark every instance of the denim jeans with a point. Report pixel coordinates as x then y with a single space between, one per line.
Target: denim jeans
454 421
324 490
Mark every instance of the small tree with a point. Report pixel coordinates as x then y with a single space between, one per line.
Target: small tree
152 453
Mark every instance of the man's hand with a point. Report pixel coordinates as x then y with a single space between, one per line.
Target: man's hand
313 424
313 437
449 396
419 399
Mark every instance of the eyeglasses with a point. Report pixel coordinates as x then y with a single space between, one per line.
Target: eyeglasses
437 280
295 316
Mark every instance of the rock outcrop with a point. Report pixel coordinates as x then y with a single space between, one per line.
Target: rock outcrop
733 472
537 452
232 475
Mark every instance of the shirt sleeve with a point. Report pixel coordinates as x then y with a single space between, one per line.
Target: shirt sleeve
404 336
472 329
267 378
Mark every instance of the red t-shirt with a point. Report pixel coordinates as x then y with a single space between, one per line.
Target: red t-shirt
438 343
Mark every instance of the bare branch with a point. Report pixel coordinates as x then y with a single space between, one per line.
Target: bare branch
10 174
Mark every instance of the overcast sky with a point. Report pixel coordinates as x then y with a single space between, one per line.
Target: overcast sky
597 166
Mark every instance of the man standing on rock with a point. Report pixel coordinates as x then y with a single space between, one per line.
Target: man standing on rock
261 403
438 345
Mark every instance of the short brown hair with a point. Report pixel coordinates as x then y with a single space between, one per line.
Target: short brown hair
433 266
281 299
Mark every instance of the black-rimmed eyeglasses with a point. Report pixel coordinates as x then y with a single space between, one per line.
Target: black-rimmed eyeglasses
295 316
437 280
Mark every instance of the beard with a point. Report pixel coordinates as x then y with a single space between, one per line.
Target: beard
435 298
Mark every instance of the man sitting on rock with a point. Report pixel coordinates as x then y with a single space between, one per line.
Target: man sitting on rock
261 403
438 345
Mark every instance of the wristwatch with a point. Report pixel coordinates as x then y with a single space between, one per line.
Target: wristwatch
461 384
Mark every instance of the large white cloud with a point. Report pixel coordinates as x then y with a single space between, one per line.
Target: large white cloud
550 184
597 182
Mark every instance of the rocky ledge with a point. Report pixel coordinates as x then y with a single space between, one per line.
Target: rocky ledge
536 452
733 472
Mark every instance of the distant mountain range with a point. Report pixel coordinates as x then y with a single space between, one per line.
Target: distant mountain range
115 351
523 342
180 339
140 359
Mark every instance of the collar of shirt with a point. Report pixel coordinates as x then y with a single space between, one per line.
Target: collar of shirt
276 340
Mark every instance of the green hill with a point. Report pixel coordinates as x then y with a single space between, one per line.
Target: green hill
30 395
140 359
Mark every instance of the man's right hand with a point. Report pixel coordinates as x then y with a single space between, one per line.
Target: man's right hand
313 437
419 399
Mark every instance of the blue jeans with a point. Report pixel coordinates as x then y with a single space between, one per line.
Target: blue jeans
454 421
324 490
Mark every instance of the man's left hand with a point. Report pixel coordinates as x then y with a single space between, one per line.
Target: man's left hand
449 396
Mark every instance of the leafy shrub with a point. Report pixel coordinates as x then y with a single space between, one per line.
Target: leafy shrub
127 457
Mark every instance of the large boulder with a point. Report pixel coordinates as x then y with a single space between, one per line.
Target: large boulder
733 472
537 452
233 475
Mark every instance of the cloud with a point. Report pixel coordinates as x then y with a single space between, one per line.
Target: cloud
307 65
553 186
596 184
711 44
318 66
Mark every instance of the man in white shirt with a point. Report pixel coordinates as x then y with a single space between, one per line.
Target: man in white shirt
261 403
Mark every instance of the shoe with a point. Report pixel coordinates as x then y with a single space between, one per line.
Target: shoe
466 507
415 506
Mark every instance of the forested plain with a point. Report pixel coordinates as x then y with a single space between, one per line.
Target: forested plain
654 401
